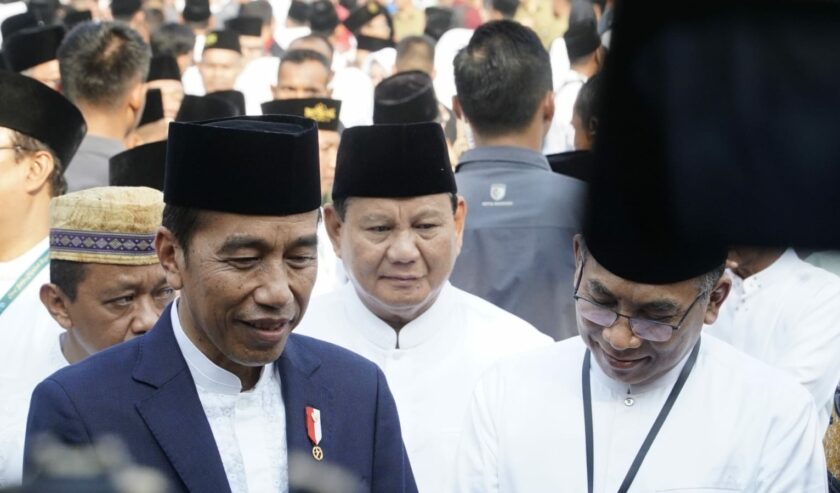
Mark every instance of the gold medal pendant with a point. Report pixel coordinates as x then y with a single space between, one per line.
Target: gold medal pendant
317 453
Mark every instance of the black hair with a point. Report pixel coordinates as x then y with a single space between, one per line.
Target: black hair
258 8
505 7
587 104
67 275
416 53
29 145
182 222
314 36
100 62
340 205
501 76
172 39
299 56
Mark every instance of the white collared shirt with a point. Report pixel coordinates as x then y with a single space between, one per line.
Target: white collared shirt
28 337
561 134
249 427
738 425
441 356
788 316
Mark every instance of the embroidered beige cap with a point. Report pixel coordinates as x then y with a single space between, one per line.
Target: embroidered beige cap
106 225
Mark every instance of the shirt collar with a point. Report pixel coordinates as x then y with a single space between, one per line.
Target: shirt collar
504 155
413 334
777 271
621 388
206 374
11 270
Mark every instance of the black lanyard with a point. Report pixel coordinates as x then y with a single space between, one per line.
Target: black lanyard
654 430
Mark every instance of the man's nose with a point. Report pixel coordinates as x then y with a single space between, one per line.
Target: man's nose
620 336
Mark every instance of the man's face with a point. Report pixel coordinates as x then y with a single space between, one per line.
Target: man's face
46 73
172 94
620 353
309 79
219 69
252 47
115 303
377 28
398 252
328 146
245 283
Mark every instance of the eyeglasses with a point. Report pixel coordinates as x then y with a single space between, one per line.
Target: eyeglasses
15 148
602 316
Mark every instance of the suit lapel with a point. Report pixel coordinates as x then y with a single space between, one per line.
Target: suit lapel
298 367
174 413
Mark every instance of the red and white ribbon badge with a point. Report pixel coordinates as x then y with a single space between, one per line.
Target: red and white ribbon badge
313 425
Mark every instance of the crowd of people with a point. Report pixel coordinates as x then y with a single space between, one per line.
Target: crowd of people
272 245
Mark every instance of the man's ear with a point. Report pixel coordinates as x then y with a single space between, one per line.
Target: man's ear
56 303
456 108
577 246
716 299
460 221
40 166
333 225
548 107
171 257
136 102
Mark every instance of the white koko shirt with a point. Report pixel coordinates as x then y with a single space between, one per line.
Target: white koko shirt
788 316
249 427
737 426
441 356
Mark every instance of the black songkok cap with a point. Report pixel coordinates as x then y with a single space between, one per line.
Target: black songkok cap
405 97
197 10
142 166
15 23
245 25
372 44
198 108
40 112
74 17
363 15
260 165
34 46
393 161
582 35
438 21
576 164
153 110
164 67
299 11
125 8
232 96
323 18
324 111
222 40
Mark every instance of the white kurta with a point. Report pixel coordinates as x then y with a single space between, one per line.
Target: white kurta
28 337
738 425
442 355
788 316
561 134
331 273
249 427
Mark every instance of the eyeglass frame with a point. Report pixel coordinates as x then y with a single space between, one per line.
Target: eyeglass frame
16 148
630 319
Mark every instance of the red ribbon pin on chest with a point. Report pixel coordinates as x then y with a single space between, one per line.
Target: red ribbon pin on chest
313 431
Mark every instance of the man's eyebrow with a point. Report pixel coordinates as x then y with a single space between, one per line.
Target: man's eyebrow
309 241
238 242
662 305
595 287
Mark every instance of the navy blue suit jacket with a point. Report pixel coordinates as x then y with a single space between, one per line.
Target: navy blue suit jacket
143 392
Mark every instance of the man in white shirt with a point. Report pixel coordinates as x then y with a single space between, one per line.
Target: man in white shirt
40 132
640 401
786 313
396 223
220 396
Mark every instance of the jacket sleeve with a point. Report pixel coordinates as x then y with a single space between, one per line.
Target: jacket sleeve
391 468
51 413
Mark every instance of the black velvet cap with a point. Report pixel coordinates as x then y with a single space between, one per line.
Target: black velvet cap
197 10
198 108
260 165
362 15
323 17
324 111
372 44
15 23
74 17
405 97
125 8
40 112
393 161
582 35
3 64
32 46
438 21
153 110
222 40
45 10
232 96
245 25
142 166
299 11
164 67
576 164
